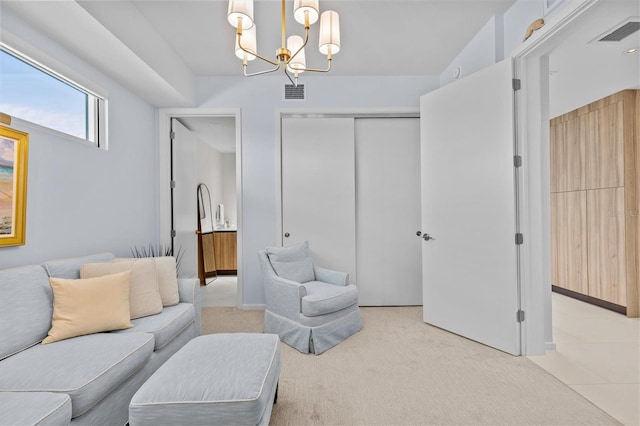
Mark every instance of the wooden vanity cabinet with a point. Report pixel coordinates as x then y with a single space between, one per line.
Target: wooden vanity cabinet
225 249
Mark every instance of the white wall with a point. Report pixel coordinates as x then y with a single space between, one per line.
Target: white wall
516 21
229 194
259 99
81 199
483 50
209 172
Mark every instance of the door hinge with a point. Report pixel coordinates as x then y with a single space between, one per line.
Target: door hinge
517 161
520 315
172 184
173 232
519 239
516 84
172 134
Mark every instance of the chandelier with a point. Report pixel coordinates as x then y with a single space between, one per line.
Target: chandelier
290 56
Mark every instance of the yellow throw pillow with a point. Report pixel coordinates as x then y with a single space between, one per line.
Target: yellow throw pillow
144 295
87 306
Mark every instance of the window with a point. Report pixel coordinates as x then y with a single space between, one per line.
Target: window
31 92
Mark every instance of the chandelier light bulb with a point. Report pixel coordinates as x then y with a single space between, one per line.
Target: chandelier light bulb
302 6
240 9
298 62
329 42
249 42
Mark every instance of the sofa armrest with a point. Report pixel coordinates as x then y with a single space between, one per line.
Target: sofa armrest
330 276
189 290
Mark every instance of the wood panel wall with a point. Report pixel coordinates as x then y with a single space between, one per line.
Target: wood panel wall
595 200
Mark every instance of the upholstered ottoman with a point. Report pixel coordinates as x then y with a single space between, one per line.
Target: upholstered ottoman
217 379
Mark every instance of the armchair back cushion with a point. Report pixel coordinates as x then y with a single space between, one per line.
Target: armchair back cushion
292 263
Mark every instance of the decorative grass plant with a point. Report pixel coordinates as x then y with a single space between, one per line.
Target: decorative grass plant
158 250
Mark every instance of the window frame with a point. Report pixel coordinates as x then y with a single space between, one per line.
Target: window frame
96 108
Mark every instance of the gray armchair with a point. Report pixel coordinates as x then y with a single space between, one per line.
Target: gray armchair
312 309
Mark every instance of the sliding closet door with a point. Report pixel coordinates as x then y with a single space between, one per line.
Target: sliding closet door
389 253
318 189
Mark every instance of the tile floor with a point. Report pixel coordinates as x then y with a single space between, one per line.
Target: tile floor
222 291
598 355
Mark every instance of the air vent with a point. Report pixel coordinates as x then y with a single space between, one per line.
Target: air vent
292 92
621 32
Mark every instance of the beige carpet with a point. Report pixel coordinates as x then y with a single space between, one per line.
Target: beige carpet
400 371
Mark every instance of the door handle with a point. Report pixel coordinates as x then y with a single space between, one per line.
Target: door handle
427 237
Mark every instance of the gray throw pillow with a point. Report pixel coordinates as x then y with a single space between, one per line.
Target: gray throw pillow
292 263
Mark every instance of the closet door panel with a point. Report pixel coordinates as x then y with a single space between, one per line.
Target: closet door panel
318 189
568 155
605 147
569 240
606 253
389 253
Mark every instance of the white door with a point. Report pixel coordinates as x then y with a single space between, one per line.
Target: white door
318 189
470 267
389 254
185 207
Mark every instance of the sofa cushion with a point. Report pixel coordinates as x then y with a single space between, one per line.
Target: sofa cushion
25 308
323 298
70 268
144 295
292 263
166 325
34 408
89 306
87 368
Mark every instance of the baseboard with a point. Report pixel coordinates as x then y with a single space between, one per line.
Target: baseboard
592 300
257 307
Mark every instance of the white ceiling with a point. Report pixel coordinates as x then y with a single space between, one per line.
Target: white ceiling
378 37
170 42
157 48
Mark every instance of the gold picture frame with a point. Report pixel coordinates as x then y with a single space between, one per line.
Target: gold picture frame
14 152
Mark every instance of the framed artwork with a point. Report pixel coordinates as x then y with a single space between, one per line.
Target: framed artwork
14 151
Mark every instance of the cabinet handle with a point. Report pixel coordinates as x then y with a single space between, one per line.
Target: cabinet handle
286 235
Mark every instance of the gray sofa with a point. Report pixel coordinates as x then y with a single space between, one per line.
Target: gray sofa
82 380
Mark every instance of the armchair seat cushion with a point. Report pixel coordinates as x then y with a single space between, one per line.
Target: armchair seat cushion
323 298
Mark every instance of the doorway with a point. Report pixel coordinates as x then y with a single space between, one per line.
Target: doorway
596 350
203 161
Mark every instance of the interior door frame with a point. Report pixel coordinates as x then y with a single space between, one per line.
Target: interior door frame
164 173
531 63
323 113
